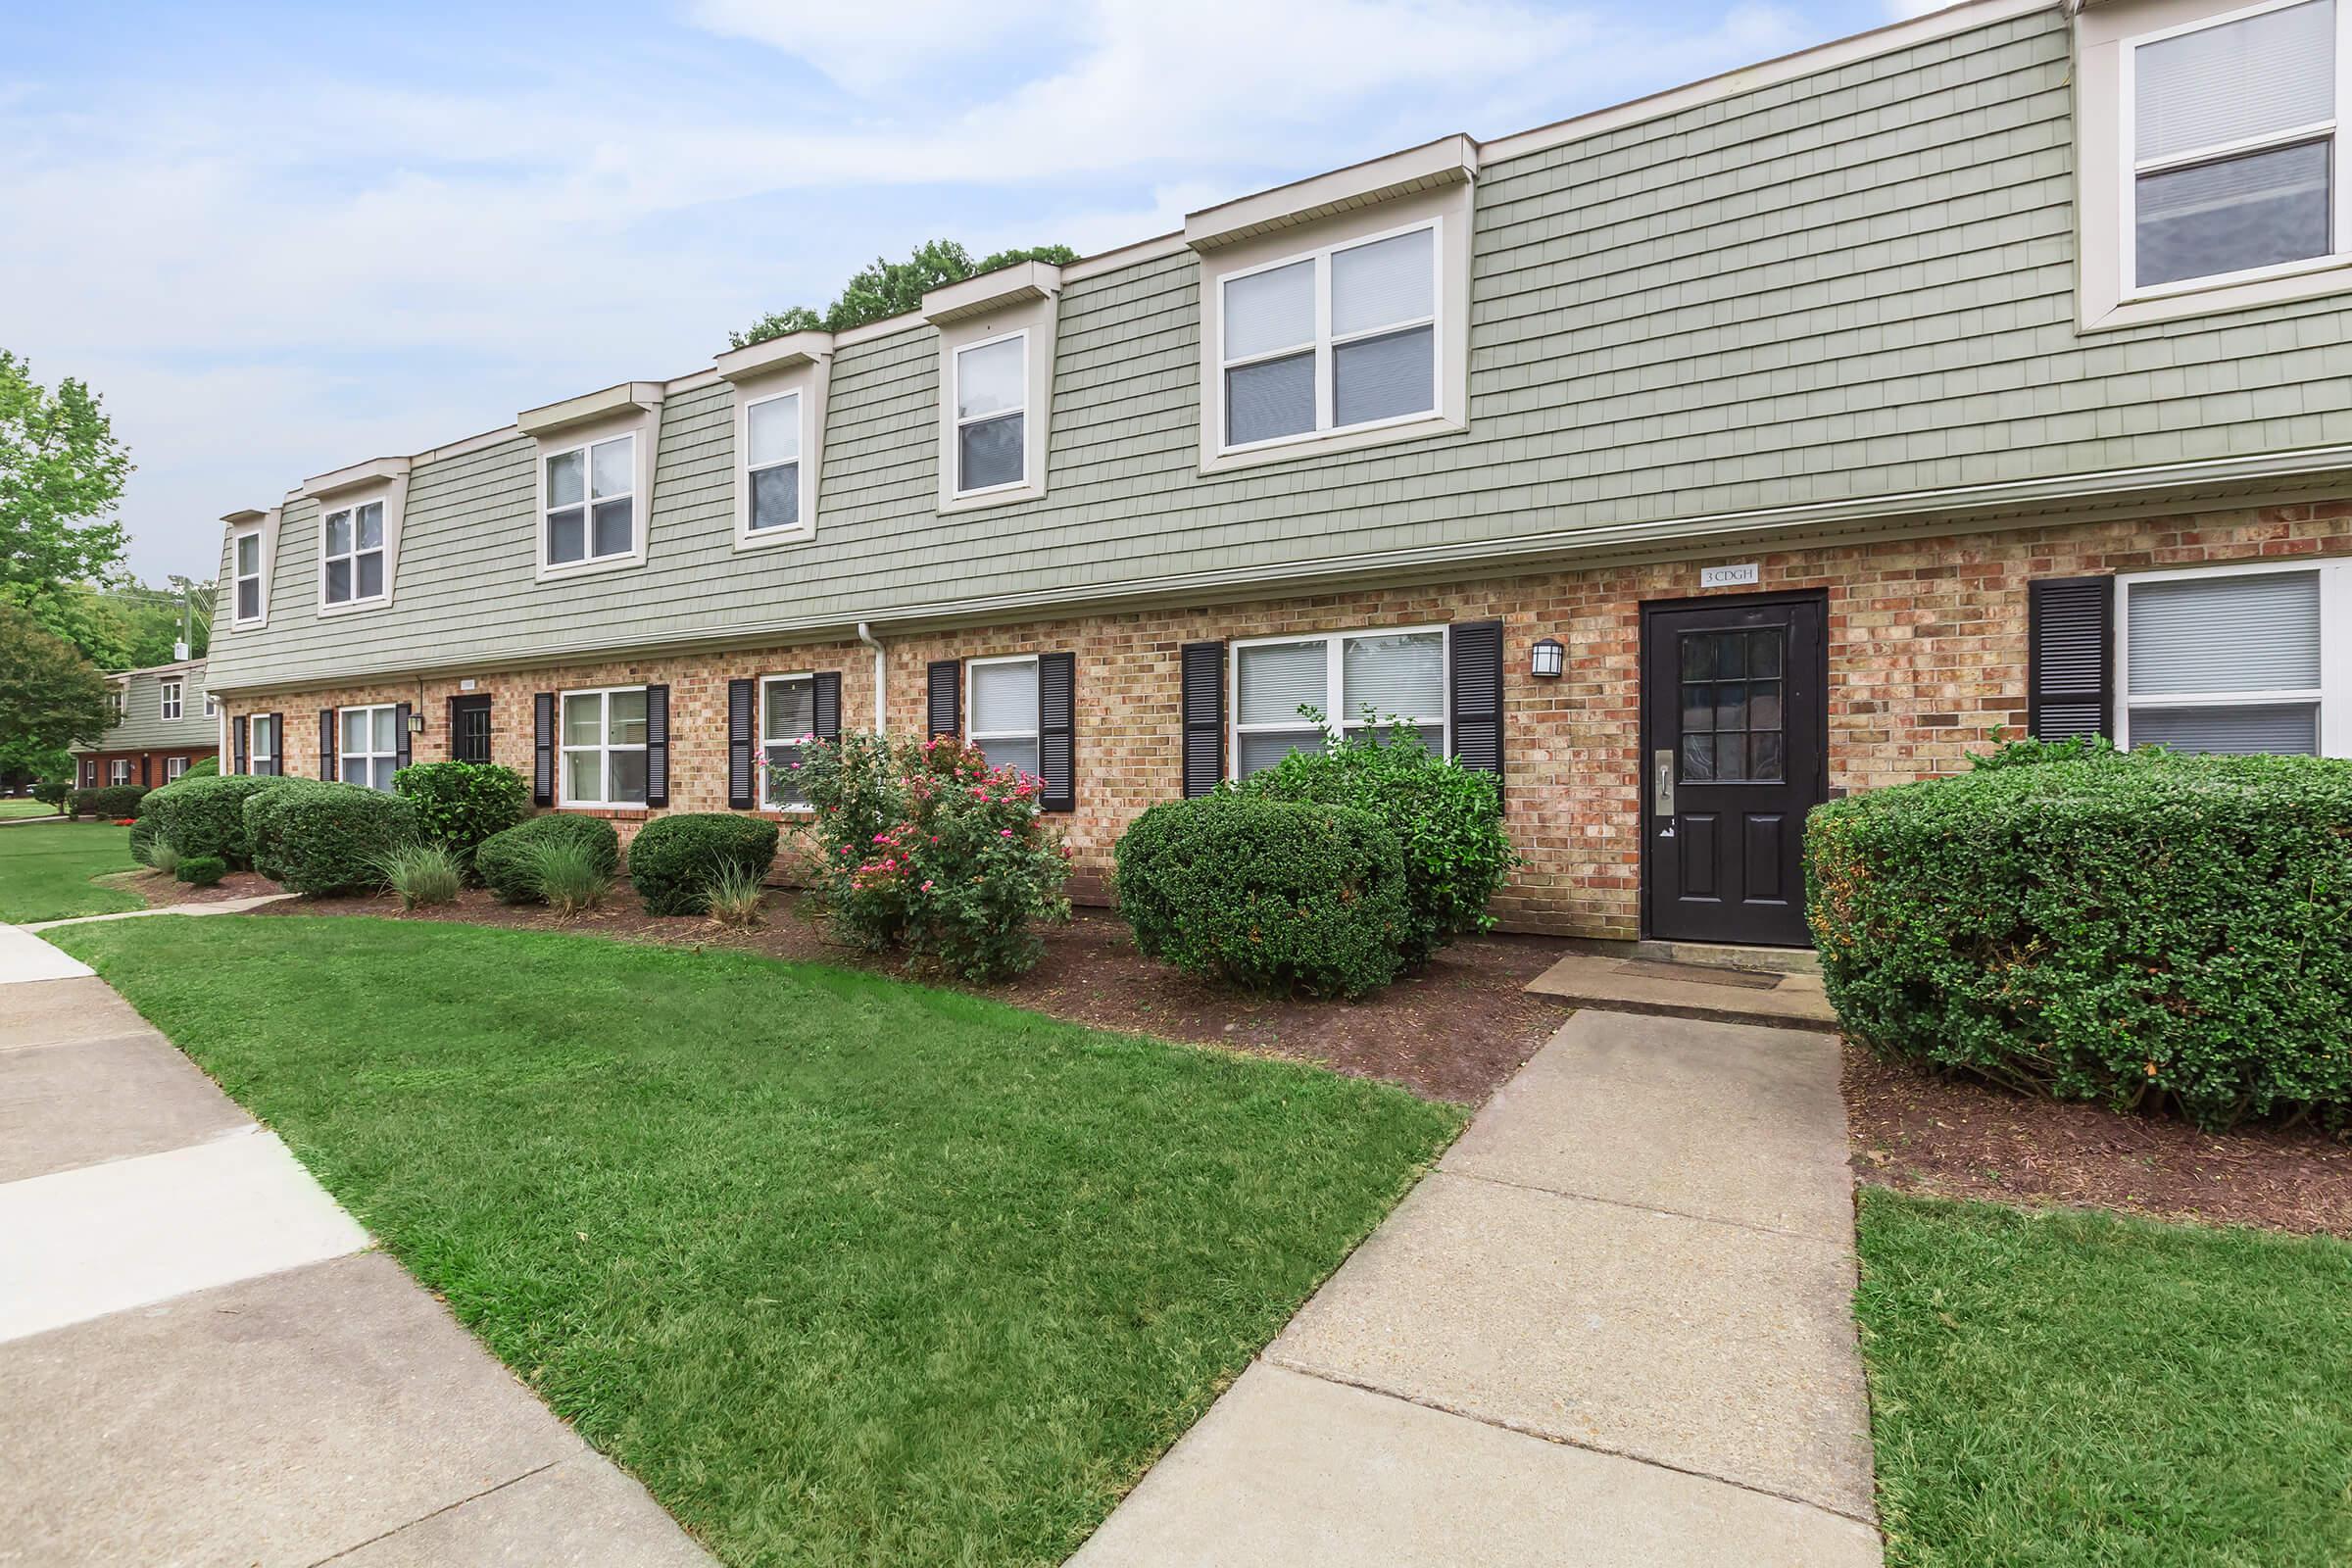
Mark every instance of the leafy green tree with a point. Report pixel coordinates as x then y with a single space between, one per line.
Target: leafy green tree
893 288
50 696
60 472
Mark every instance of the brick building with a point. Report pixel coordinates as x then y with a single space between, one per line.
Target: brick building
166 722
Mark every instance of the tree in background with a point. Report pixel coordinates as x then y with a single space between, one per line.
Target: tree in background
893 288
50 696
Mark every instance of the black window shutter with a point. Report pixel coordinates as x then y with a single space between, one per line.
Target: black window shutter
2070 642
277 744
946 694
237 733
450 741
1203 665
146 768
827 703
1057 730
400 736
743 787
326 743
543 748
657 746
1475 654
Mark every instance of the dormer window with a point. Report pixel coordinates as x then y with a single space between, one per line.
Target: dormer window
996 381
246 591
591 496
167 698
353 555
990 402
1339 339
773 461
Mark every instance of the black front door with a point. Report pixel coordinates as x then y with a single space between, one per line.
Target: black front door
1735 728
469 729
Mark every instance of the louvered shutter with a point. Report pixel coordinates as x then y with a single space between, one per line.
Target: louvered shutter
743 785
237 734
1057 731
543 748
944 697
827 703
277 744
326 743
2070 632
657 746
1204 666
400 753
146 770
1475 658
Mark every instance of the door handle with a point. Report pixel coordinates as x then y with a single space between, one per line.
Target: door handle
1662 790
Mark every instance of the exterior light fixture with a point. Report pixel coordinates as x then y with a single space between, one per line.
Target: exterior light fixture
416 723
1549 657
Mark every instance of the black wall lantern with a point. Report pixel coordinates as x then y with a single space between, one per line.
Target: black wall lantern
1548 658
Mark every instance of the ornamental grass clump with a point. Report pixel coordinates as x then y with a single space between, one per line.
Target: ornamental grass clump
2144 930
508 863
736 895
162 854
572 876
927 850
423 873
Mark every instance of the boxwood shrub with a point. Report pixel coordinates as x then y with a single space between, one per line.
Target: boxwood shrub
52 793
1276 896
266 818
2139 930
326 839
673 859
207 815
1447 820
203 768
461 803
108 803
200 870
503 860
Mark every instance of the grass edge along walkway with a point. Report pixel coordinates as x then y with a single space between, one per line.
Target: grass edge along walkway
45 870
845 1269
2067 1386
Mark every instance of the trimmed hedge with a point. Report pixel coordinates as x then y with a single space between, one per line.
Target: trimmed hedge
461 803
1276 896
108 801
333 838
673 858
52 793
503 860
2139 930
200 870
1447 817
207 815
203 768
266 818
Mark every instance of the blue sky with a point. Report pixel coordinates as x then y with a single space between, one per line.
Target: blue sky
281 238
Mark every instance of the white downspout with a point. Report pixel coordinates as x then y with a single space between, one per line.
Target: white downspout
881 675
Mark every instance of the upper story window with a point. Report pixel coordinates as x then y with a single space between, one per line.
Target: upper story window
1338 339
1350 680
113 704
589 499
771 459
992 397
2237 660
605 746
168 705
2233 128
246 579
368 748
352 556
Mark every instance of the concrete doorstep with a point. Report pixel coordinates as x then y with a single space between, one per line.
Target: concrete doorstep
1613 1328
206 1362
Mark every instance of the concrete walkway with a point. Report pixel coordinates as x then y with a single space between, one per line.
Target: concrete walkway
1613 1328
207 906
204 1362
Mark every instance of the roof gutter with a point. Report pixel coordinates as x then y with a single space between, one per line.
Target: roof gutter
881 675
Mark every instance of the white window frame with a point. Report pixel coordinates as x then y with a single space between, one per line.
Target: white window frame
259 577
117 772
212 706
953 455
764 741
1334 681
2332 695
640 511
117 703
747 537
973 736
353 504
173 767
167 704
257 725
604 749
1325 345
343 755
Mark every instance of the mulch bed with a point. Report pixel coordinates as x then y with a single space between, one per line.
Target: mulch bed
1962 1139
1453 1032
161 891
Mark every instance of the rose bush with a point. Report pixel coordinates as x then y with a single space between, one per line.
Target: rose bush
926 848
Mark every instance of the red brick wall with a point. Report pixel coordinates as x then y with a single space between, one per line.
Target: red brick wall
156 762
1927 648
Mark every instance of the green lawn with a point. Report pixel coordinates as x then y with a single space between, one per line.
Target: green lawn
2062 1387
45 870
18 806
846 1270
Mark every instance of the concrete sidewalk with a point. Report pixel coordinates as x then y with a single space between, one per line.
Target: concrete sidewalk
204 1362
1613 1328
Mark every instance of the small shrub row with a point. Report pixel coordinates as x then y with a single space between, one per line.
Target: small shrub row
673 860
52 793
108 802
206 815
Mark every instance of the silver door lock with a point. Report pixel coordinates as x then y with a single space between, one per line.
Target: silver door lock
1662 791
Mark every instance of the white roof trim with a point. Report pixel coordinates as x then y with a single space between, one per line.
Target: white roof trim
1447 161
790 352
639 396
1022 283
375 470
